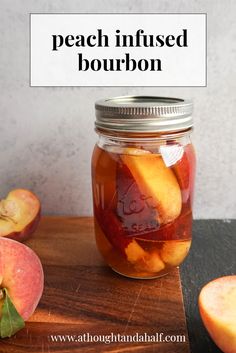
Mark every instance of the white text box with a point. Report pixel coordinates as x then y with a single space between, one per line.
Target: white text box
118 50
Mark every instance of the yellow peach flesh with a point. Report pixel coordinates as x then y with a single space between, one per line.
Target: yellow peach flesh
217 305
19 209
143 260
134 252
155 180
153 263
174 252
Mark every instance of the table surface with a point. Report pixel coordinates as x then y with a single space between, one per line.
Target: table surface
64 303
82 295
213 254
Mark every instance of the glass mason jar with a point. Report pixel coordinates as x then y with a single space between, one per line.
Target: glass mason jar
143 168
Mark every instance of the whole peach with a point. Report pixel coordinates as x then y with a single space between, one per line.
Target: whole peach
21 273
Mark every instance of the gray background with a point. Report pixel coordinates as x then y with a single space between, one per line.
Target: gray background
46 134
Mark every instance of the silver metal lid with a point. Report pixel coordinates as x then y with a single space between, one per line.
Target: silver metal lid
144 114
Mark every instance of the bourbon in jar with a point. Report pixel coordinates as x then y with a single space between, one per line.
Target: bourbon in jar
143 169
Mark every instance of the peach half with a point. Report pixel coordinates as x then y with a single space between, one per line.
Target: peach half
19 214
21 274
217 305
155 180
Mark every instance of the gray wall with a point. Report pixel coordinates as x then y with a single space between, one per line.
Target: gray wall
46 134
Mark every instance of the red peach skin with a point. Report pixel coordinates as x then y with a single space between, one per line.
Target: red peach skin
22 274
128 246
184 170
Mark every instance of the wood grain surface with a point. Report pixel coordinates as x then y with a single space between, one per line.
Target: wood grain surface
83 296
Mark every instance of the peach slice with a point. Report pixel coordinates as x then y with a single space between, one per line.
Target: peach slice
137 213
180 229
183 167
21 274
155 180
143 260
128 246
112 228
134 252
217 305
174 252
104 181
19 214
184 170
151 262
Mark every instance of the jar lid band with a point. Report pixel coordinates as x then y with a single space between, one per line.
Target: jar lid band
144 114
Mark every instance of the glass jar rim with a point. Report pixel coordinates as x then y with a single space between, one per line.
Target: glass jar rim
144 114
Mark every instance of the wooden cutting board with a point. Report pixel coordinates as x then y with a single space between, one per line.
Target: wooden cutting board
82 296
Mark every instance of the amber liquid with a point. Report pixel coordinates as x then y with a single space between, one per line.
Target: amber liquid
143 209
